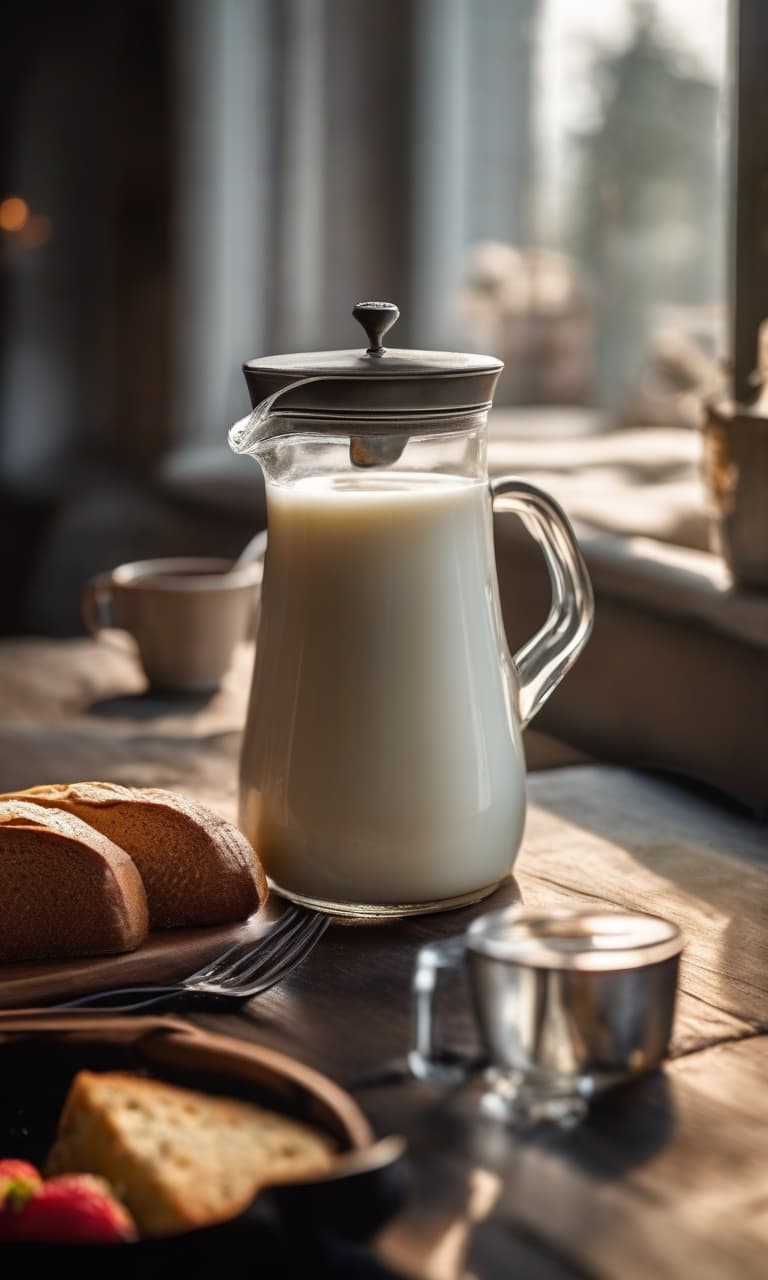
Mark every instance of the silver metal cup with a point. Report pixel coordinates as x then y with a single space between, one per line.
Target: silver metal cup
567 1003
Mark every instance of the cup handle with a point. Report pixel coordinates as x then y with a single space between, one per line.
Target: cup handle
428 1059
544 659
97 604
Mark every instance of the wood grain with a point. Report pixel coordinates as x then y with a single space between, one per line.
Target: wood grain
664 1180
167 954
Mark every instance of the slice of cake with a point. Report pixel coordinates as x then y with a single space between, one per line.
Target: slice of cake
178 1158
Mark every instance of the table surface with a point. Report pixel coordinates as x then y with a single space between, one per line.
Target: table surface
669 1175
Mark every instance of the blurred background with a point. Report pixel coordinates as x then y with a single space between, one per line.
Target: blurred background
188 184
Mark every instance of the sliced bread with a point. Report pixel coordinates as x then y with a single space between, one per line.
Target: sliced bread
65 889
178 1158
197 868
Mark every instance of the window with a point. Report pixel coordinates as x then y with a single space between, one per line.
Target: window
540 179
543 179
614 281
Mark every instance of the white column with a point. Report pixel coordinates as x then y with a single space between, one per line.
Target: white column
299 278
440 173
222 240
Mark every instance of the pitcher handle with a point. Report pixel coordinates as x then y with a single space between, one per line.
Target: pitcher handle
544 659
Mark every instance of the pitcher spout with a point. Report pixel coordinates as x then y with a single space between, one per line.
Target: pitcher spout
249 434
268 422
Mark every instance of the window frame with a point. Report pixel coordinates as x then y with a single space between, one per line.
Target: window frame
748 249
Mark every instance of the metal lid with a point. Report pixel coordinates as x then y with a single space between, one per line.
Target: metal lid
376 380
586 939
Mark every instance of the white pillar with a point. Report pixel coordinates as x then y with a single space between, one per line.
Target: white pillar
440 173
222 217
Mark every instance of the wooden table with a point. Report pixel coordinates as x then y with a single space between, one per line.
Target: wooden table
669 1176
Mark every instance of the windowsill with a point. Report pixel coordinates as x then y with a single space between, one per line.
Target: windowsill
641 481
678 582
637 501
675 674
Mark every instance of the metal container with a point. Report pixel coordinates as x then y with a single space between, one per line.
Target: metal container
567 1003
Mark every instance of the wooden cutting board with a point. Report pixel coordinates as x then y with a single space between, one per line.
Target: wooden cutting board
167 954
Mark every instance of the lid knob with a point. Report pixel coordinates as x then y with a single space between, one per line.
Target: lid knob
376 318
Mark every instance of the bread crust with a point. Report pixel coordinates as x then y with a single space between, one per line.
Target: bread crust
179 1158
197 868
65 889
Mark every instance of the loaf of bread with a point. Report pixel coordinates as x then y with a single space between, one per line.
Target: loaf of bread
65 889
178 1158
197 869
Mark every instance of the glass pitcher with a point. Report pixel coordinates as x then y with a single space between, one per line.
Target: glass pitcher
382 770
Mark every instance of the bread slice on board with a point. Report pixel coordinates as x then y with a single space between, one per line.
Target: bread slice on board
176 1157
65 889
197 869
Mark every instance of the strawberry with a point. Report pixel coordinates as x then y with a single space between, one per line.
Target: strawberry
73 1208
18 1181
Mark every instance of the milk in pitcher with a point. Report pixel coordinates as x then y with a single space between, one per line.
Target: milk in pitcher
383 763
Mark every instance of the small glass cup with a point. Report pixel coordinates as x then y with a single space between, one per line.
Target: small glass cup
567 1004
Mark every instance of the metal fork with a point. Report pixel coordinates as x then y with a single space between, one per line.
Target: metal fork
244 970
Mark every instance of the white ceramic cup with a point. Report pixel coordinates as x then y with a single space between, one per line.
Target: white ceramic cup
185 614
